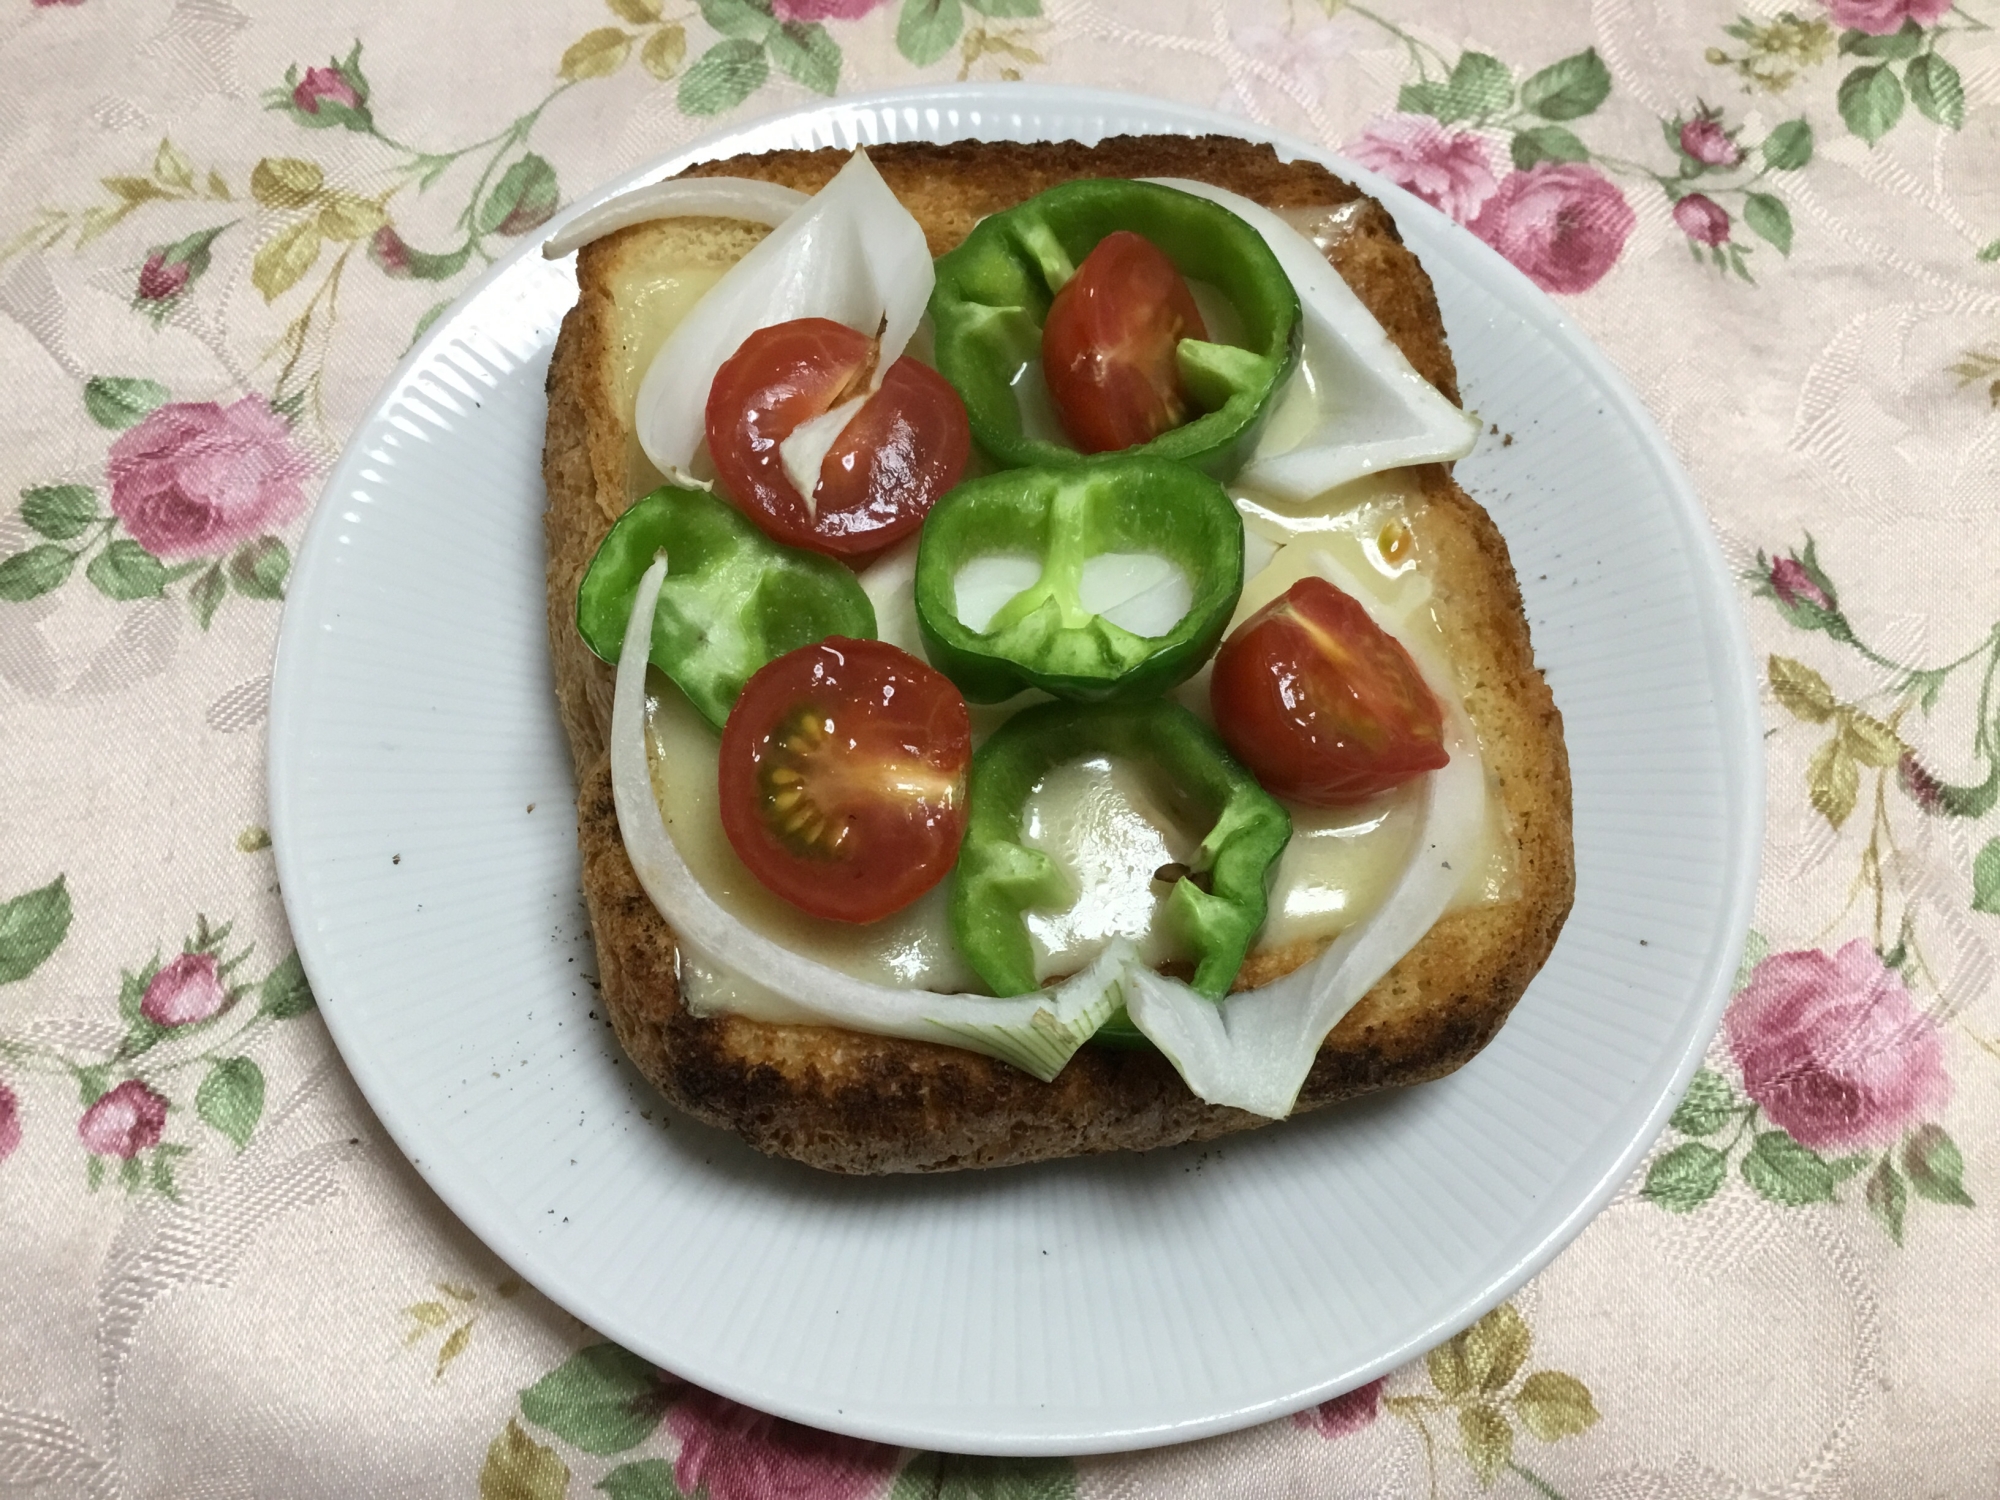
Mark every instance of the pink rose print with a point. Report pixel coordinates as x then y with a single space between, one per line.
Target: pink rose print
729 1452
159 281
170 270
1707 142
1834 1049
322 98
124 1122
1794 585
823 10
1343 1414
1880 17
185 991
1448 169
324 83
10 1122
1702 219
1563 223
1918 781
196 478
390 251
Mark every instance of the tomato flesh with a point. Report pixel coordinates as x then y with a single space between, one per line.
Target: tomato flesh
1322 704
902 450
842 778
1108 345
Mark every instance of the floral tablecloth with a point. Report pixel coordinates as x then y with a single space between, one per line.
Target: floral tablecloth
219 230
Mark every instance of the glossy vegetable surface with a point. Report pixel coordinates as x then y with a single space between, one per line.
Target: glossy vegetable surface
1109 346
1215 910
995 291
904 448
733 599
842 778
1044 637
1323 704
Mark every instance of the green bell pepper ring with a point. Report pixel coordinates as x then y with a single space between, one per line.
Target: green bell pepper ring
733 599
1216 911
1044 637
993 294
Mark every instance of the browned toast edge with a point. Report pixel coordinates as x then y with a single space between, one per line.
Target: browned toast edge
850 1102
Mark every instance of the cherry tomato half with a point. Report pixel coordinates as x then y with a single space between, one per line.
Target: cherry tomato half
843 777
1321 703
905 448
1108 345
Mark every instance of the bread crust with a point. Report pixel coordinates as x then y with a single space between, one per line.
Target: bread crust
855 1103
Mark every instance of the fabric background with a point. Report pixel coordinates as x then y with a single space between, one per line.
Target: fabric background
220 227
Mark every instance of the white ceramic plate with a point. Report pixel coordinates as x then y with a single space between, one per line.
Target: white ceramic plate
421 802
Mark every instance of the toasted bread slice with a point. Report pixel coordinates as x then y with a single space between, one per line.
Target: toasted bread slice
856 1103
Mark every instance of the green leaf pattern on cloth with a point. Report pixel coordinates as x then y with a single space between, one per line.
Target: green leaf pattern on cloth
187 480
1476 1395
32 926
603 1400
519 1468
1836 1050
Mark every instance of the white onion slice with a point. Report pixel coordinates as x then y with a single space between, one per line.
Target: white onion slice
1254 1049
679 198
853 255
983 587
1142 592
1373 410
1038 1033
804 449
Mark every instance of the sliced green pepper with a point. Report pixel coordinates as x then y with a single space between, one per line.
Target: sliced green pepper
1044 637
993 294
1216 910
733 599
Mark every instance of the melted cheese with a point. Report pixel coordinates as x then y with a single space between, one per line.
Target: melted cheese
890 584
1109 828
1361 508
1107 824
651 300
655 307
649 308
